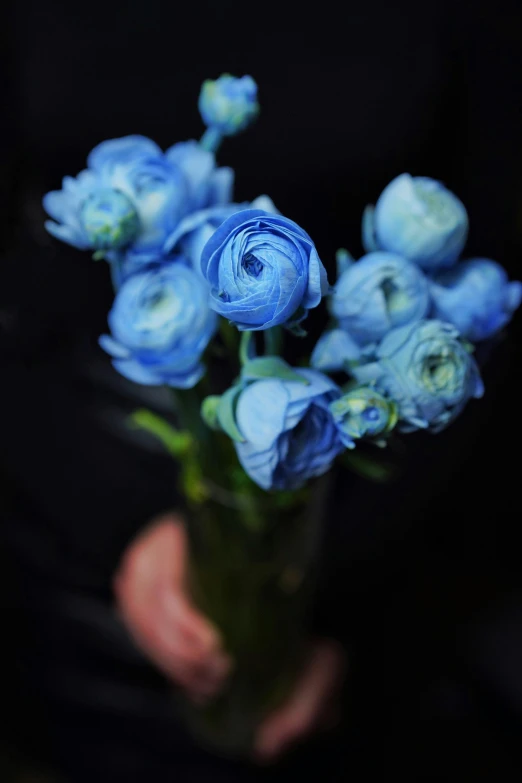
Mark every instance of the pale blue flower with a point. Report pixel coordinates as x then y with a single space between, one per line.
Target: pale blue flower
377 293
228 104
477 297
289 433
263 270
363 413
132 195
419 219
427 370
160 325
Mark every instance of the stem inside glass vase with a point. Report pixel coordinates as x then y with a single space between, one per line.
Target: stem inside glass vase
252 557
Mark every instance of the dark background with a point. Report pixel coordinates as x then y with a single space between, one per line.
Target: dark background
423 575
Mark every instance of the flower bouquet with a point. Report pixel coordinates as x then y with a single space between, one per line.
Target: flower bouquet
206 290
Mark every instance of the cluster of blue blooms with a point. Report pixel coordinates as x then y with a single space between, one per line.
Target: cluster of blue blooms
182 253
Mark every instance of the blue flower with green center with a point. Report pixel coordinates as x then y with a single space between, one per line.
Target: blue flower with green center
429 372
419 219
132 196
228 104
363 413
160 325
109 219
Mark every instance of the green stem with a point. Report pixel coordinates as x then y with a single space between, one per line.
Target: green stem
273 341
246 347
116 274
211 140
230 336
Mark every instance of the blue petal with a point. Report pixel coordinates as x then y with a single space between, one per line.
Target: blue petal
333 350
113 348
221 187
136 372
121 151
260 412
187 380
70 234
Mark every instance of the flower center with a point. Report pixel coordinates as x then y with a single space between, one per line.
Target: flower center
438 204
109 219
252 265
439 372
371 414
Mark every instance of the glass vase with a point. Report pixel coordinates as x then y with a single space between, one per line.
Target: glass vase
252 572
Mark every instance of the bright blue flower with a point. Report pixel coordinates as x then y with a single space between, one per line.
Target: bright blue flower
290 435
427 370
363 413
419 219
132 195
477 297
228 104
263 270
334 350
160 324
377 293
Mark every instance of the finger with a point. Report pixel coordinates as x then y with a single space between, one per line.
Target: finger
160 639
304 709
197 630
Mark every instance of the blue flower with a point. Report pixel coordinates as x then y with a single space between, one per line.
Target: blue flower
419 219
477 297
363 413
263 270
132 195
377 293
427 370
228 104
161 324
289 433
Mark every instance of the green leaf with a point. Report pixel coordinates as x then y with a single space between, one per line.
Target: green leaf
271 367
226 413
98 255
247 347
209 408
177 442
369 467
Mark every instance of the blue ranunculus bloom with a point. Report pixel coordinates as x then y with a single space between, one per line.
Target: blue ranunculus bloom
363 413
421 220
477 297
194 231
377 293
228 104
290 435
427 370
263 270
160 324
132 195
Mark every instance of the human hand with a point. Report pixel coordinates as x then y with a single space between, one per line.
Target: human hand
152 597
310 707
